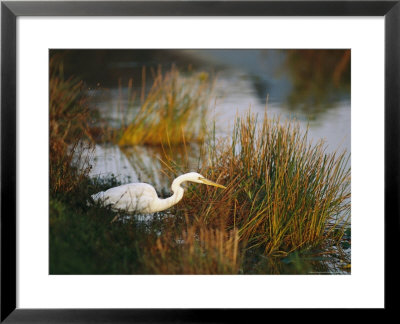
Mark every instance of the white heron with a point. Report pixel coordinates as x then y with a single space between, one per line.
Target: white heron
142 197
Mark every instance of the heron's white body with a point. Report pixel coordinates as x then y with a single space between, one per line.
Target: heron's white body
142 197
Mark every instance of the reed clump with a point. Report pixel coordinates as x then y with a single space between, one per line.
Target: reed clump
195 250
283 192
68 126
175 110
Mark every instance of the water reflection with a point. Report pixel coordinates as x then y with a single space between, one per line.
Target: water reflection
302 80
305 262
299 79
319 78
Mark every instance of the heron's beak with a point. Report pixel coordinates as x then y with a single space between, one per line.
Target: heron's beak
212 183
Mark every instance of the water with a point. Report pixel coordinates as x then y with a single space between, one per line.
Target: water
312 87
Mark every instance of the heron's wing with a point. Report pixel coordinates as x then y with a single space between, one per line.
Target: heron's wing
131 197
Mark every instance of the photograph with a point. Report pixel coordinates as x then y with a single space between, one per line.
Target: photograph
199 161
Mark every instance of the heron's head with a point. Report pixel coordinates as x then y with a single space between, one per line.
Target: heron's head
196 177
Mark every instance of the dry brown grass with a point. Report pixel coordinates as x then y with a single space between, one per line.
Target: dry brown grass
68 126
196 250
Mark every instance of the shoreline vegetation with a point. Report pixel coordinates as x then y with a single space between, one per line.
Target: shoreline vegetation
286 208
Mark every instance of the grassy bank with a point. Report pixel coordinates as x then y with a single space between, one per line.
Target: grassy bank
85 240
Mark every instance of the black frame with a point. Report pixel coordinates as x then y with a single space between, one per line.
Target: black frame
11 10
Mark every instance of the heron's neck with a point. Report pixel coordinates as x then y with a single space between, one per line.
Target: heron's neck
178 191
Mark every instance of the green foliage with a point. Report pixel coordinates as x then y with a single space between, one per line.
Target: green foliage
84 241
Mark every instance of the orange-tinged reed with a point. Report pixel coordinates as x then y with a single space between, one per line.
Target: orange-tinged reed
175 110
196 250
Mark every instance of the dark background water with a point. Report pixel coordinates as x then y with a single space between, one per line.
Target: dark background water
308 80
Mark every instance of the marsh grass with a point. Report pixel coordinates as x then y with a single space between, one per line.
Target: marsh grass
283 192
174 111
285 196
68 131
195 250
